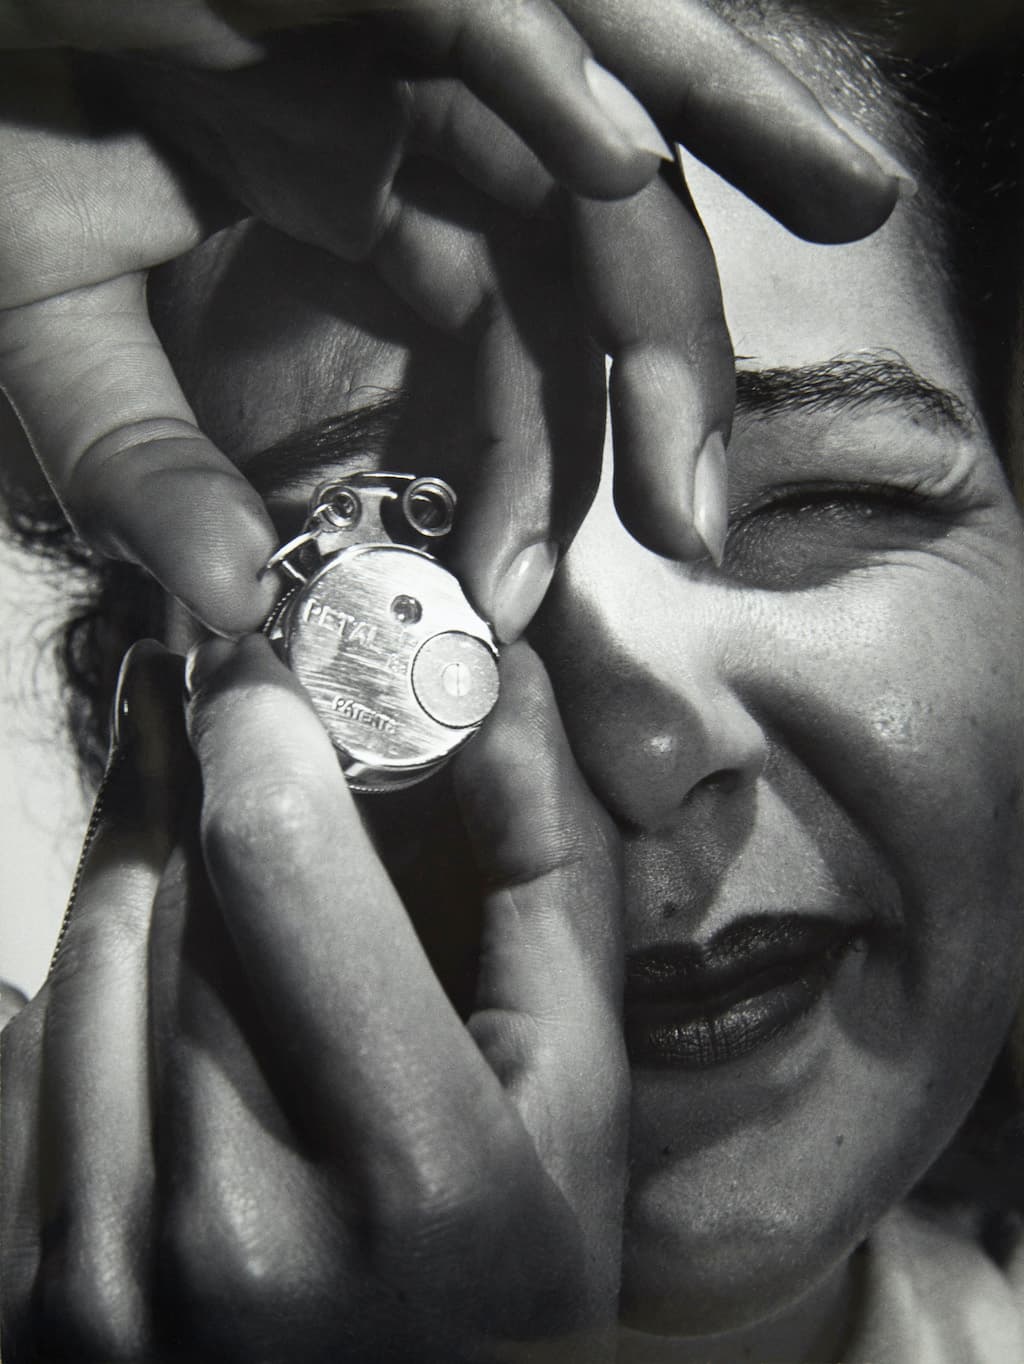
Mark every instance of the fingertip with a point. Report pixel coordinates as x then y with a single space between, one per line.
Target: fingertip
503 779
162 496
504 558
624 111
529 64
231 612
661 519
216 565
688 520
149 761
880 158
521 588
853 192
669 423
215 664
516 727
846 210
148 669
630 144
711 496
598 164
204 660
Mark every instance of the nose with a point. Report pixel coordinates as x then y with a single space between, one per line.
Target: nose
643 654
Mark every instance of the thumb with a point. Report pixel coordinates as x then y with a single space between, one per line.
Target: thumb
119 444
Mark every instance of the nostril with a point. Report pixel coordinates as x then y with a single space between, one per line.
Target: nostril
724 782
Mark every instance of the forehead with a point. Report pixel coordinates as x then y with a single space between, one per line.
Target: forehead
269 336
790 303
286 338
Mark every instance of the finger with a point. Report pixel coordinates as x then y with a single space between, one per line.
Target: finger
742 112
249 1260
193 28
527 63
548 1005
432 238
538 456
387 1088
323 939
648 277
449 122
119 444
20 1050
96 1180
537 451
706 84
86 196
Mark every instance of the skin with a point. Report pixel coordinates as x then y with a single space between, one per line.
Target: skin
324 145
863 714
826 724
875 724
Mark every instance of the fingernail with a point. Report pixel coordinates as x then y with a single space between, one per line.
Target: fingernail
624 111
906 185
522 588
147 729
203 660
136 662
710 496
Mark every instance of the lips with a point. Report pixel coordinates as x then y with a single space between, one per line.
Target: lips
698 1007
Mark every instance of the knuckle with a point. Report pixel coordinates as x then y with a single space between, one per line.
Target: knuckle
226 1261
489 30
510 1040
452 1196
207 1257
531 21
284 814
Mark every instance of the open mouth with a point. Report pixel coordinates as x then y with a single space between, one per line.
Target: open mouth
698 1007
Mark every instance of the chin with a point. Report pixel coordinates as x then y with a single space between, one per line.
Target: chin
744 1266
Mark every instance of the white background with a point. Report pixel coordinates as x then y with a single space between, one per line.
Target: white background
42 809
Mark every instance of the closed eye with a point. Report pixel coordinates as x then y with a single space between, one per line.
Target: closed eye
807 534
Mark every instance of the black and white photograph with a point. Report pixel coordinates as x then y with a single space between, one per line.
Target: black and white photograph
511 682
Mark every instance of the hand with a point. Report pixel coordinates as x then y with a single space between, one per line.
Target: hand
242 1119
324 148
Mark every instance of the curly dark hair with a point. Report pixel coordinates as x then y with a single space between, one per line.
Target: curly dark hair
109 606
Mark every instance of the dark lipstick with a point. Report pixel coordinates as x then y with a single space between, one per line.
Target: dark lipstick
694 1007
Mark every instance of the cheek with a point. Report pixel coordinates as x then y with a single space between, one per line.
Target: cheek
900 688
898 692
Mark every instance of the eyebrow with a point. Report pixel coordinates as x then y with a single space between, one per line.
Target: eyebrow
843 383
847 383
316 451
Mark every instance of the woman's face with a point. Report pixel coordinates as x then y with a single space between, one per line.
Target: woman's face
814 754
826 734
